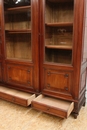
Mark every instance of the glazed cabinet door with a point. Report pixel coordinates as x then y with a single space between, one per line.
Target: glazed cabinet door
21 43
56 47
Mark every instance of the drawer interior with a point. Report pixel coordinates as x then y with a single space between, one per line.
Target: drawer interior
56 106
10 94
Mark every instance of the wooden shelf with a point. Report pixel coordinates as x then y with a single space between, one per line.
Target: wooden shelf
18 31
62 24
21 9
64 47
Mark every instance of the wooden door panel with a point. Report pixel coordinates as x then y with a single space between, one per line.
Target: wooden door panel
58 80
19 75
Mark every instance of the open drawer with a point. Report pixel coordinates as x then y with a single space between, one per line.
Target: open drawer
53 106
15 96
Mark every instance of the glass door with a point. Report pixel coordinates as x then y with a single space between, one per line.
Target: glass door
18 29
59 31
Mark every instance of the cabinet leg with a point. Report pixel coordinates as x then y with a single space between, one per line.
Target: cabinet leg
75 115
84 104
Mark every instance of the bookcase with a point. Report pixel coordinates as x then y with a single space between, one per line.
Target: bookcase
62 63
19 36
41 53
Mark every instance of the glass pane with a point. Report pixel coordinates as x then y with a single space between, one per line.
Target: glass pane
18 20
59 31
18 29
18 46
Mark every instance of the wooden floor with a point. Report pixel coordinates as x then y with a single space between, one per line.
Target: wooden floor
16 117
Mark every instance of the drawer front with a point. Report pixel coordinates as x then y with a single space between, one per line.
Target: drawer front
48 109
19 75
53 106
20 101
13 99
16 96
58 81
6 96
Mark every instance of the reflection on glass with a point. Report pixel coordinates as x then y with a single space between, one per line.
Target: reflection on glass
17 2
